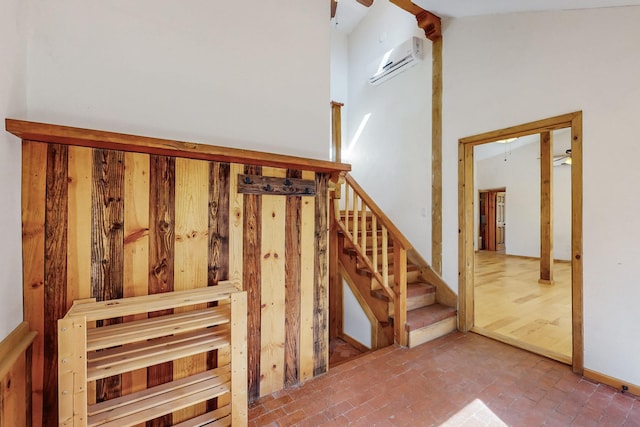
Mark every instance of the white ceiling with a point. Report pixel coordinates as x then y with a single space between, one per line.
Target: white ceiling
350 12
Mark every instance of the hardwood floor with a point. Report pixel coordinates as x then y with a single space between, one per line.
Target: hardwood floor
511 306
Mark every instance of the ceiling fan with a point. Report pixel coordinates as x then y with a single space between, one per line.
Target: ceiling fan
334 5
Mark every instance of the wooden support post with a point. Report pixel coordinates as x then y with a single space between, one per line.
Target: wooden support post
576 245
239 378
336 137
546 208
436 158
400 291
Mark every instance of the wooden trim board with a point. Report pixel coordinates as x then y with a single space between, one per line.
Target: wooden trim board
612 382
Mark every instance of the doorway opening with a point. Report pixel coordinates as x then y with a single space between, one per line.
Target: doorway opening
491 219
467 220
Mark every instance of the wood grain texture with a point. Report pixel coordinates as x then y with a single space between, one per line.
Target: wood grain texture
436 156
79 224
55 297
272 289
280 186
191 254
307 288
236 226
293 275
218 222
251 280
576 244
161 253
107 242
321 282
136 246
546 207
34 178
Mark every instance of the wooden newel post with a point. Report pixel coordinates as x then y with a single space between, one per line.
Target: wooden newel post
336 131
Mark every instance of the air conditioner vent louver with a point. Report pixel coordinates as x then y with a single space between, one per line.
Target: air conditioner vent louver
398 59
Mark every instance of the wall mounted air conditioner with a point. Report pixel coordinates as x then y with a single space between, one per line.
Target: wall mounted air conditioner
397 60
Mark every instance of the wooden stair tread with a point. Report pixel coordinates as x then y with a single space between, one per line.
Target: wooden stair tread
414 289
148 404
129 357
154 327
365 271
218 418
428 315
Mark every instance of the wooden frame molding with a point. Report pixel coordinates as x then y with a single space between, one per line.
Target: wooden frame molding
67 135
466 220
616 383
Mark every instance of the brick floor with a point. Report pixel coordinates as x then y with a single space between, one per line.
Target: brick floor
457 380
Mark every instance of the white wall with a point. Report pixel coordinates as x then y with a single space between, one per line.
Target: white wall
518 170
355 323
340 76
392 157
13 44
505 70
251 74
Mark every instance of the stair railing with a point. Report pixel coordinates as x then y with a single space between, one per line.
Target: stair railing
361 214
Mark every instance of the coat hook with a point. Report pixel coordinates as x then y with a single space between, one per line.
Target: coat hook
268 187
247 180
306 190
287 182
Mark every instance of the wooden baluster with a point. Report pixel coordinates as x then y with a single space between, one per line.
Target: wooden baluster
374 242
385 258
363 219
346 207
355 219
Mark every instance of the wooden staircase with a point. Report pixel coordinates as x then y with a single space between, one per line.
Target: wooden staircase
411 302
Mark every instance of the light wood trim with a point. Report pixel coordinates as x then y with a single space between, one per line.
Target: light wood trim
15 344
336 131
67 135
545 125
239 397
400 300
436 157
546 208
611 381
385 258
576 244
398 238
466 218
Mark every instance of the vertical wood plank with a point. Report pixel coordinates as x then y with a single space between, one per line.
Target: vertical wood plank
272 289
400 291
436 156
13 411
292 285
239 414
251 281
576 245
236 225
107 242
136 245
161 253
219 210
546 208
307 275
191 254
321 284
55 297
79 224
465 230
34 185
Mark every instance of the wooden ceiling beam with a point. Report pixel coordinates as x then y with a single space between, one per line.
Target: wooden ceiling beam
429 22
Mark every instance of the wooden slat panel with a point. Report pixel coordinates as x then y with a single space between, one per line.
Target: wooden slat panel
292 285
272 277
191 253
55 298
251 281
307 274
136 245
107 242
236 226
321 280
34 161
161 252
79 224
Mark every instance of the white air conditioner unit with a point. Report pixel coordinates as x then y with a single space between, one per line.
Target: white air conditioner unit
398 59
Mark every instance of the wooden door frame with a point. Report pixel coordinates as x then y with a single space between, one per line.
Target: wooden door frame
492 225
466 220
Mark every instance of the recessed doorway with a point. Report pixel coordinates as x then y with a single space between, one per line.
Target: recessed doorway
467 216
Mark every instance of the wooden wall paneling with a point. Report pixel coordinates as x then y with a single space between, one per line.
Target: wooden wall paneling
191 254
161 253
272 289
236 225
251 281
79 224
107 243
307 288
55 266
292 286
34 186
321 279
136 246
436 156
218 269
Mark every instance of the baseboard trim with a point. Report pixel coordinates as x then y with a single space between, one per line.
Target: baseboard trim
357 344
612 382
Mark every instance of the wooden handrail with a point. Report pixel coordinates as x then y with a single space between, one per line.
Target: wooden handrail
396 234
15 344
43 132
